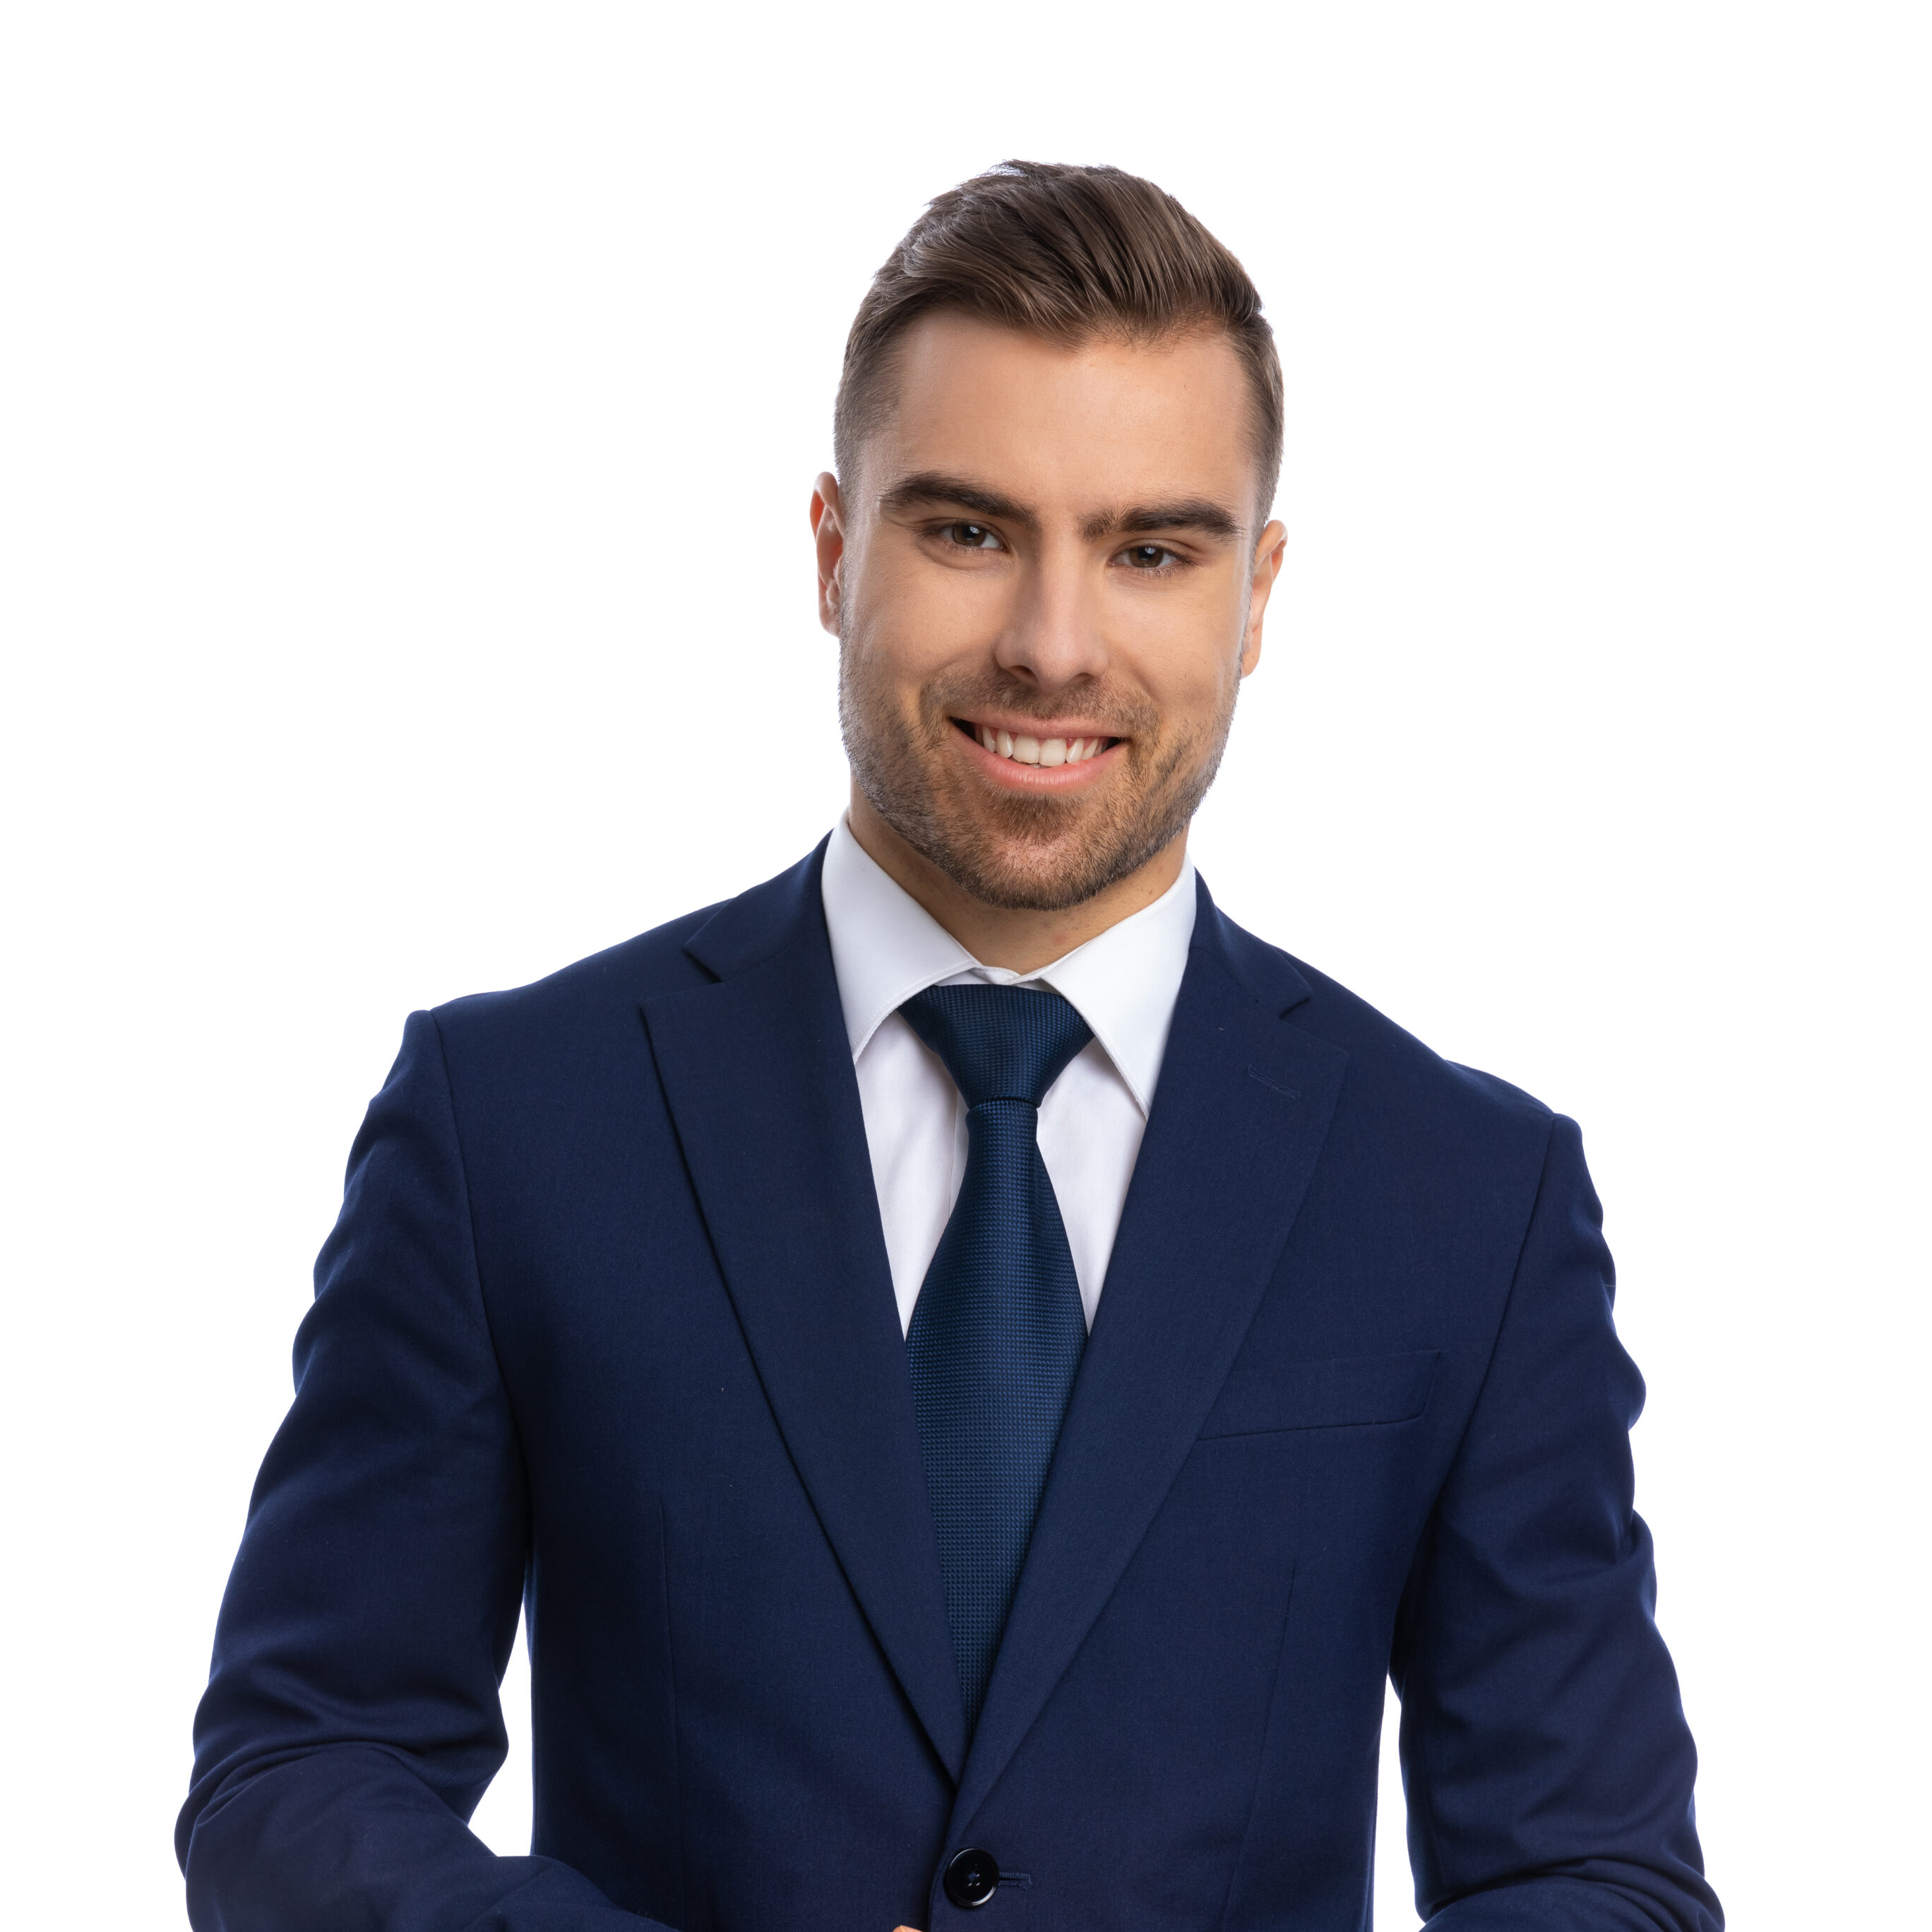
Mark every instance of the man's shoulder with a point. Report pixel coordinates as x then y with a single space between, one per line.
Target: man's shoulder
1392 1053
587 996
583 1000
1387 1065
617 979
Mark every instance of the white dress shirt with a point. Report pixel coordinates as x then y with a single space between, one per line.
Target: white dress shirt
885 947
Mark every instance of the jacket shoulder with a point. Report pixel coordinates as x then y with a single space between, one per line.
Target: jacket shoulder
586 993
1350 1020
1385 1058
684 953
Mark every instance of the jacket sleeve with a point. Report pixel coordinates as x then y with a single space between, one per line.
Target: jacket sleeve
1548 1766
351 1721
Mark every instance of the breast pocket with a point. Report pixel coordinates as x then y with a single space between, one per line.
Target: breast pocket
1351 1391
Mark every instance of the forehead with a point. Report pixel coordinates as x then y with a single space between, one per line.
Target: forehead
1094 423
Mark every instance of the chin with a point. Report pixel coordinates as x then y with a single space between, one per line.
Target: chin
1027 875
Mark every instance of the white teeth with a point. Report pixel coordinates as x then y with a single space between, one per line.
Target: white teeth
1030 750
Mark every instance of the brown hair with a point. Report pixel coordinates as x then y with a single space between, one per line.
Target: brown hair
1068 253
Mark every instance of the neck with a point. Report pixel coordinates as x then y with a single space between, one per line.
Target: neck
1018 939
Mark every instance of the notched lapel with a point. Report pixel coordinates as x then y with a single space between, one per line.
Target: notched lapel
758 1076
1238 1122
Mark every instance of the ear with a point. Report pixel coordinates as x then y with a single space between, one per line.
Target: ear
1269 548
828 532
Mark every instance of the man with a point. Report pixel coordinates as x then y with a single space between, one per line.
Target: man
975 1367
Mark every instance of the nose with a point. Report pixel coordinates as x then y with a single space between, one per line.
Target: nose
1055 635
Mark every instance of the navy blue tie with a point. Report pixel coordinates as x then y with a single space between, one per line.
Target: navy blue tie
996 1336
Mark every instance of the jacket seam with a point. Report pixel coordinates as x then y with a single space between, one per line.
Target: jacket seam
482 1316
470 1222
1427 1808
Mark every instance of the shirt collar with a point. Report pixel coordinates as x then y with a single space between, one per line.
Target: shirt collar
886 946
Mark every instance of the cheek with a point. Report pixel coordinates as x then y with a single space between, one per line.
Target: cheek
1183 651
917 622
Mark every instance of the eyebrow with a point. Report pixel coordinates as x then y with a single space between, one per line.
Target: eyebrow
1187 513
927 489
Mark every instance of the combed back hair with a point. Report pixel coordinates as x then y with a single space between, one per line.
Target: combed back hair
1068 253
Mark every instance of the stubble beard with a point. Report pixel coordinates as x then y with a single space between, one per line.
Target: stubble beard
1038 854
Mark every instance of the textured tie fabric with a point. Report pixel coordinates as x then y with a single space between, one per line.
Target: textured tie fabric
997 1334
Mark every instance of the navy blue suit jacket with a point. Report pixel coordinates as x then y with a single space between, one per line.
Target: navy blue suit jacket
606 1328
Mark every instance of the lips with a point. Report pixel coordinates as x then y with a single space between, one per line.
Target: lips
1023 748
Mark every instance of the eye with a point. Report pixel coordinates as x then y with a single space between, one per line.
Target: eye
971 536
1148 557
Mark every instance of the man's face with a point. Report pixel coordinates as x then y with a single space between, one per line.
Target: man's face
1047 585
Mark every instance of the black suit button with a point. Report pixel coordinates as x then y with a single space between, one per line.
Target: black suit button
972 1877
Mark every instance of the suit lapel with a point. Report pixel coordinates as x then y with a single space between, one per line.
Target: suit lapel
1238 1122
758 1075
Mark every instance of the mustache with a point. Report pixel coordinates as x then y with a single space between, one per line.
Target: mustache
1121 716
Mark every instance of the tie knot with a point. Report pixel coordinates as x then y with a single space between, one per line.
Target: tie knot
998 1043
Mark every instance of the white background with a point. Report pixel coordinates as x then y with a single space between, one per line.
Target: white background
406 416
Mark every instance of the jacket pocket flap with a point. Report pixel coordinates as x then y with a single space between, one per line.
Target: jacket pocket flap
1351 1391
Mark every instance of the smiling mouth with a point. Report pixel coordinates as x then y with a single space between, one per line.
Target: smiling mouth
1023 748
